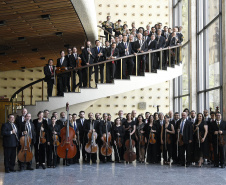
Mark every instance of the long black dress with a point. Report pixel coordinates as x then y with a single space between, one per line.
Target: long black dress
167 144
118 129
151 148
200 150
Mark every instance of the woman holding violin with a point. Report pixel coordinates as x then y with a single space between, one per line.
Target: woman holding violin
167 132
140 137
41 128
130 127
118 133
200 131
150 138
54 133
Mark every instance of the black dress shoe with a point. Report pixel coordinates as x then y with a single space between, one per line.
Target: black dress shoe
43 166
30 168
12 170
222 166
67 164
37 166
7 171
216 166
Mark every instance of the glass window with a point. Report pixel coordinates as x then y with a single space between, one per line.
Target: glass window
185 70
212 10
200 14
201 62
185 20
214 98
213 55
185 102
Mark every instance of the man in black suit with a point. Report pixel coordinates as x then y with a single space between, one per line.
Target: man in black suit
80 126
111 53
28 128
120 115
192 118
73 63
69 52
10 142
218 129
206 115
184 127
62 78
20 119
99 57
125 49
49 76
139 47
90 125
161 42
45 117
152 45
153 32
88 57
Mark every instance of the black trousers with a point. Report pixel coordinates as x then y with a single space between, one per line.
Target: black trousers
61 85
40 151
52 155
141 66
85 74
218 157
68 83
119 153
50 87
9 157
118 69
96 68
73 81
76 158
110 71
168 149
107 36
92 157
182 149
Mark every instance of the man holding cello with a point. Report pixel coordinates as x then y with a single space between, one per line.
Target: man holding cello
10 142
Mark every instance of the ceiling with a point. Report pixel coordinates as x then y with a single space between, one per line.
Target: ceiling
23 18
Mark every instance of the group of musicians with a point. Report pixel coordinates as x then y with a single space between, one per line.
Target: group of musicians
124 43
191 139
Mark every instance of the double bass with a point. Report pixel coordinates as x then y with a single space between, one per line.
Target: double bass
91 146
25 154
67 149
106 149
129 155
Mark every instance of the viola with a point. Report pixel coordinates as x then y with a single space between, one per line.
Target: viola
55 139
152 139
42 138
67 149
129 155
25 154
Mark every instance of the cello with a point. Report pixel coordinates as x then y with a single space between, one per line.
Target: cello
129 154
67 149
25 154
91 146
106 149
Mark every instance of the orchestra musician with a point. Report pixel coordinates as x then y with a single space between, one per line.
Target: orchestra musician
49 71
109 26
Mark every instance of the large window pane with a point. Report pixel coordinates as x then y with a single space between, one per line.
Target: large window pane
213 53
200 14
212 10
185 72
214 98
185 102
201 62
201 102
185 19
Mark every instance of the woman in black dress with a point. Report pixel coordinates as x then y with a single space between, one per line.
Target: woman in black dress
150 138
118 133
41 127
140 144
167 139
130 127
54 133
200 140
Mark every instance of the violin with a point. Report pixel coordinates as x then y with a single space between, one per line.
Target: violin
91 146
60 69
55 139
42 138
106 149
152 139
67 149
141 136
129 155
79 63
25 154
119 141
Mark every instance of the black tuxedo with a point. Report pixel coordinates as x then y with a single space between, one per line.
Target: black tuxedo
218 157
152 44
49 78
111 65
73 62
62 78
80 128
87 58
187 136
18 122
101 66
10 143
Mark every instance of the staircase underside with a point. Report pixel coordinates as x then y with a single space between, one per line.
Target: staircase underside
104 90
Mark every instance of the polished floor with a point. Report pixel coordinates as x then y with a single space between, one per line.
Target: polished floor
111 173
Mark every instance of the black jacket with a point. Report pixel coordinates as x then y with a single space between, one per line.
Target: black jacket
122 48
48 73
86 58
109 52
73 61
97 58
22 129
9 140
187 130
161 42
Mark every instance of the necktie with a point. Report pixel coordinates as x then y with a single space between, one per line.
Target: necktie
218 124
61 61
98 49
75 55
51 68
14 127
29 130
125 45
181 128
82 122
112 55
75 126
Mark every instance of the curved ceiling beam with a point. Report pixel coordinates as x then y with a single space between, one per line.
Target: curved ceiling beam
87 14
